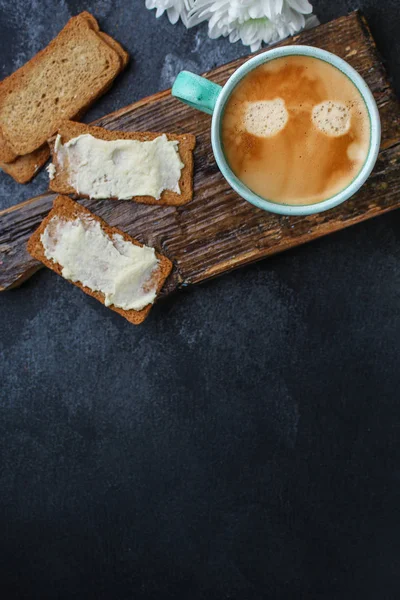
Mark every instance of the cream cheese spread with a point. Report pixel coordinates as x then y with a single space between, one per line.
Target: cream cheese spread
51 169
120 168
117 268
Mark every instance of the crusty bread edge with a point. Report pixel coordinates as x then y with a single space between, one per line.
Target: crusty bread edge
123 54
7 153
69 209
71 129
90 18
25 167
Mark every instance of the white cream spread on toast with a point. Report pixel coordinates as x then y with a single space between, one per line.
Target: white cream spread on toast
120 270
120 168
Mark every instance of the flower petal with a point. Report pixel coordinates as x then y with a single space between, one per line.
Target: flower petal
302 6
159 12
173 14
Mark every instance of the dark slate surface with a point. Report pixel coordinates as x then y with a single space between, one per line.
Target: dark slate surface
244 443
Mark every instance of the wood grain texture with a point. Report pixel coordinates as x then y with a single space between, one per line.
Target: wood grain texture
218 231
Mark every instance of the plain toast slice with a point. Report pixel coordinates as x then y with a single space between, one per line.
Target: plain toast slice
71 129
67 209
25 167
59 82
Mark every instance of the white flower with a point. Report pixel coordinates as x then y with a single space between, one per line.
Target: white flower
252 21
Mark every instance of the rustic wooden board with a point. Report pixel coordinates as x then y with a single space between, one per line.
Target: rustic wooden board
218 231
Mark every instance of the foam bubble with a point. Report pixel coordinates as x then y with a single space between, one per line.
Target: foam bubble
331 118
266 118
356 152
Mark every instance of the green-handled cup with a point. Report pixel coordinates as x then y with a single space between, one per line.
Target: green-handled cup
207 96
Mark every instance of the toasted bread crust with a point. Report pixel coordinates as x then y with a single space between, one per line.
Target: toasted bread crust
91 19
25 167
71 129
123 54
68 209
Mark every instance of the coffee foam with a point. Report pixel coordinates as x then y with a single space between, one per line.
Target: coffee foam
331 118
265 118
355 152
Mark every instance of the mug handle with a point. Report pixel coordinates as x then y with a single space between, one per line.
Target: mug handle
196 91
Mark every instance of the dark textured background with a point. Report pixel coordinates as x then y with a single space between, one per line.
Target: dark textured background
244 443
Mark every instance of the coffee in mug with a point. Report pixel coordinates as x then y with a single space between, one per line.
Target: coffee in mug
296 130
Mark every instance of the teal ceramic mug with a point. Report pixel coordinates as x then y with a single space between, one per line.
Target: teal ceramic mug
211 98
